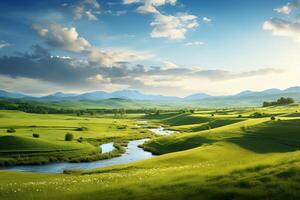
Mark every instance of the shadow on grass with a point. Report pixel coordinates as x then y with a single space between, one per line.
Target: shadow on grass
169 145
270 137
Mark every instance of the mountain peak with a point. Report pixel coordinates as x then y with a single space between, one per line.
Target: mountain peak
197 96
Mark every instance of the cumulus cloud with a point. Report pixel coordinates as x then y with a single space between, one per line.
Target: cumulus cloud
288 8
115 58
149 6
206 20
39 66
62 37
169 65
173 27
287 27
3 44
84 9
281 27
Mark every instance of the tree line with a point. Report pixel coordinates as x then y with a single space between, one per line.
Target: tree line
280 101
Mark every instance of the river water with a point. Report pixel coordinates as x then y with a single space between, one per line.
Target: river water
132 153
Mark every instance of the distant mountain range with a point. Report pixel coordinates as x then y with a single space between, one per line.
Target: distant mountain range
243 98
273 91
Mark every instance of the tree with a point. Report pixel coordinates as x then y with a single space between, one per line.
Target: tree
273 118
69 137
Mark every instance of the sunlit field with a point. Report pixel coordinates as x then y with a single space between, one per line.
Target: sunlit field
236 156
149 100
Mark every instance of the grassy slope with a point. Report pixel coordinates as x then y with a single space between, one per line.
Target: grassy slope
20 147
251 159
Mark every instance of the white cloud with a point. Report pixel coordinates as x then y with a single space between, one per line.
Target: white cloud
3 44
288 8
126 2
280 27
149 6
169 65
99 78
115 58
173 27
195 43
62 37
206 20
165 26
85 8
116 13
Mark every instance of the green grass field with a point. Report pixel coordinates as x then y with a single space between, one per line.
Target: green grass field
227 155
22 148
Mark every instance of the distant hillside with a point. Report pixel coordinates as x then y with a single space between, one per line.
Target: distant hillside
136 99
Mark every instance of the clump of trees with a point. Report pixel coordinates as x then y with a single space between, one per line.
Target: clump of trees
257 115
69 137
280 101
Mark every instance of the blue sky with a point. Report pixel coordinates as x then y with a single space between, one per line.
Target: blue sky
171 47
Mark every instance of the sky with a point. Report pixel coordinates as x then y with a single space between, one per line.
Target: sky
168 47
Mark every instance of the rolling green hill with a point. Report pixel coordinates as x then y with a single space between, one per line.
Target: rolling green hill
239 158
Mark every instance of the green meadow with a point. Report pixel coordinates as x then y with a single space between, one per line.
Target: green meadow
242 153
21 147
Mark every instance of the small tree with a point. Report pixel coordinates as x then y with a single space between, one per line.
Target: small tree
10 130
273 118
69 137
80 140
35 135
212 114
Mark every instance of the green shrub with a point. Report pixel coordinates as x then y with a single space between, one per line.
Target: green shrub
69 137
11 130
257 115
273 118
82 129
121 126
240 116
35 135
80 140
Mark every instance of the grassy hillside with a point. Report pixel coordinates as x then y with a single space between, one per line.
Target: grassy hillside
22 148
244 158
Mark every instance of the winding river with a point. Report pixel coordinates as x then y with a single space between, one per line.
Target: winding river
132 153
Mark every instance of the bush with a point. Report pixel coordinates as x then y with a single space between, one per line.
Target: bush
69 137
80 140
11 130
35 135
212 115
121 126
240 116
257 115
273 118
82 129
